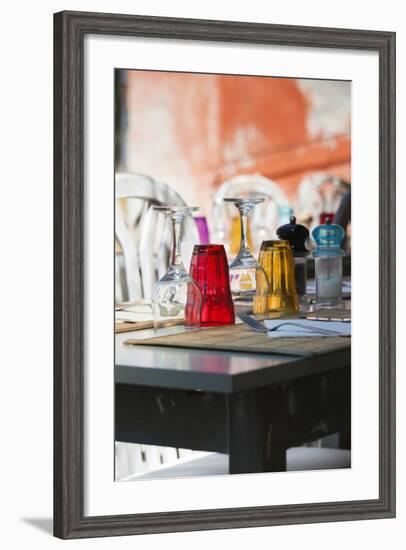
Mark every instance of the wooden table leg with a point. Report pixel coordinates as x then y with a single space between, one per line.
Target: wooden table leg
344 439
255 443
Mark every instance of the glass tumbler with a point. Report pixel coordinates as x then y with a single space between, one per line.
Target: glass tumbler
277 260
209 268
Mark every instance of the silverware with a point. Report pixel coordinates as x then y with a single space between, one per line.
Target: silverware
259 326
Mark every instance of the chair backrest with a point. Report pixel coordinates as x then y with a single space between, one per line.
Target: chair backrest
318 193
264 218
144 235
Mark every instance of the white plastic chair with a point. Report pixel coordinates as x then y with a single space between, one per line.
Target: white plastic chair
265 217
144 235
204 464
317 193
145 239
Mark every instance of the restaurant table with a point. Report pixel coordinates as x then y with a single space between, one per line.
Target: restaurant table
251 406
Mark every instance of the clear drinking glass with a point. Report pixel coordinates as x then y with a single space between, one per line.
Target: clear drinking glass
246 274
176 287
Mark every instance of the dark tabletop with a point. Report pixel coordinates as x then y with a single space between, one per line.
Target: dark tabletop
214 371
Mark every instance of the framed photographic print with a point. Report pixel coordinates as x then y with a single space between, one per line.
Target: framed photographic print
224 274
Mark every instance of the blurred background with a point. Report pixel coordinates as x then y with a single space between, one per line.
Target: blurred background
195 139
195 131
186 138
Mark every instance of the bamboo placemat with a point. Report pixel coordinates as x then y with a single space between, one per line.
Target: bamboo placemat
242 339
129 326
135 308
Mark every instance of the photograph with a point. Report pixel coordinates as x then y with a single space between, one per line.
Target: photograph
202 209
232 252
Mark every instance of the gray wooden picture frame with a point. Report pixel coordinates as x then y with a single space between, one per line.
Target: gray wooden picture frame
70 29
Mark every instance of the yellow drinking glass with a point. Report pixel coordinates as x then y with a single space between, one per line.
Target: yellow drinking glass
276 259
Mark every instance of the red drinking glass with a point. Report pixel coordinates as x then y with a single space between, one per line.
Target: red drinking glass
324 216
209 269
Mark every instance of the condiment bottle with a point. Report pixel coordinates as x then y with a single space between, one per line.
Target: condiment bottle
296 235
328 264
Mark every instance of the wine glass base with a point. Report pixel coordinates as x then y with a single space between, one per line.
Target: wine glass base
174 322
176 302
305 304
332 303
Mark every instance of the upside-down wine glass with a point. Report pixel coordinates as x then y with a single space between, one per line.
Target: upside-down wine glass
246 274
176 287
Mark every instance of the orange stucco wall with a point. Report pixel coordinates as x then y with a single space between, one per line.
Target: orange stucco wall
194 131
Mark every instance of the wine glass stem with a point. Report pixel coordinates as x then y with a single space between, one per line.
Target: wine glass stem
176 258
244 231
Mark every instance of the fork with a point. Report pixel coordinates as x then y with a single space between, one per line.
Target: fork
259 326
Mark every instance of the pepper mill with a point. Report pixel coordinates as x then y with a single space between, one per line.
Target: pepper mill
296 235
328 257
